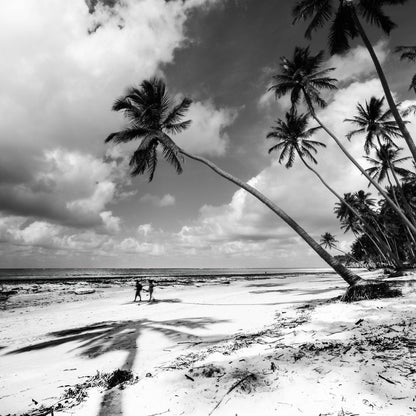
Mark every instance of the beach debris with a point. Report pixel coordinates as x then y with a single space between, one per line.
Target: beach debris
160 413
189 377
359 321
118 377
76 394
386 379
83 291
233 387
273 366
149 375
208 371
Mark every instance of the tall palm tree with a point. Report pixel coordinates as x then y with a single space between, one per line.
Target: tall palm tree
294 138
152 116
346 25
375 123
409 53
302 77
330 242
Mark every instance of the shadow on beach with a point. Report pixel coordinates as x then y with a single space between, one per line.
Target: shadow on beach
103 337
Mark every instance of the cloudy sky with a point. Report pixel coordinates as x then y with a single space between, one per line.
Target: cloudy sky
66 198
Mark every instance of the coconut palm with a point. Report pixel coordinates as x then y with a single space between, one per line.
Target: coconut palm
330 242
346 25
152 116
386 160
294 138
302 77
375 123
362 203
409 53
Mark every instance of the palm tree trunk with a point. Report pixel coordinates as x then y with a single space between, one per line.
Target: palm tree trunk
350 277
407 207
356 213
351 158
385 85
392 259
397 202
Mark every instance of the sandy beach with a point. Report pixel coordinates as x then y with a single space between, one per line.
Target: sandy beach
266 346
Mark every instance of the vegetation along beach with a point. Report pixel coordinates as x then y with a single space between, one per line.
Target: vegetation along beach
208 207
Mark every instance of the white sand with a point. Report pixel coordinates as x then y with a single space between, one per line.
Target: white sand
324 363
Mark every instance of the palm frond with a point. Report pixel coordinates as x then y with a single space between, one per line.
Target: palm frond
342 29
372 12
177 112
178 127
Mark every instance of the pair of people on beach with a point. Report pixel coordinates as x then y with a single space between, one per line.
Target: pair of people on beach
139 288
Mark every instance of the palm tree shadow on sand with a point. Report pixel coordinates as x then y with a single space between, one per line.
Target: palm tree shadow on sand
103 337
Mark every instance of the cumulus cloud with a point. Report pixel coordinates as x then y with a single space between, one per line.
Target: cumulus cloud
207 134
164 201
63 66
68 188
356 63
144 229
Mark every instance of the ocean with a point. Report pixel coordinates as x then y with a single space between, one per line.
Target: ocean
156 274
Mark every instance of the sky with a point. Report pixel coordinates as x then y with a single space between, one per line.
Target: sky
67 199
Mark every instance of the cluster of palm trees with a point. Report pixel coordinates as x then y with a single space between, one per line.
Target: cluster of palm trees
153 117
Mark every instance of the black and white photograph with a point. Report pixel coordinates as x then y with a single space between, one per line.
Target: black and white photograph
207 208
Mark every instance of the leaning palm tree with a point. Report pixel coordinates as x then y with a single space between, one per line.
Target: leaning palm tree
293 138
346 25
330 242
302 76
376 123
152 117
409 53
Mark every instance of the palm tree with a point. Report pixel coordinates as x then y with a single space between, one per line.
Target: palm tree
302 77
346 25
294 138
364 204
386 160
152 115
328 241
375 123
409 53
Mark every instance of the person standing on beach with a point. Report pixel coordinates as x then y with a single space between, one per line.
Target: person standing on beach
139 288
151 286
